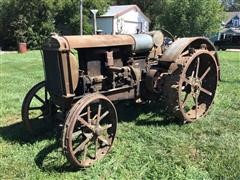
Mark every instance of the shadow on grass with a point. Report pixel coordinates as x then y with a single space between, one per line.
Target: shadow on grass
18 133
130 111
51 159
230 81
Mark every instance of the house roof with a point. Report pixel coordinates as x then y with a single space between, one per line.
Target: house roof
231 30
116 11
230 15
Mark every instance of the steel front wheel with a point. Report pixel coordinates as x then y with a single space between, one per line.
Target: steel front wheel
89 130
37 109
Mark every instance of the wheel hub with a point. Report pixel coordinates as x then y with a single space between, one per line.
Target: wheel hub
98 131
196 84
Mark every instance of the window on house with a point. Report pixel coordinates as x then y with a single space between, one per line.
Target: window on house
235 23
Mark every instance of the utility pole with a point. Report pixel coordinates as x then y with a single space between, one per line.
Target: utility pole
94 11
81 17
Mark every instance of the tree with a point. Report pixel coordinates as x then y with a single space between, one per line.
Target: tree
67 19
193 17
28 21
1 26
33 21
182 17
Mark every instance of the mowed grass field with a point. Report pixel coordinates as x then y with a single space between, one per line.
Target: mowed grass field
147 146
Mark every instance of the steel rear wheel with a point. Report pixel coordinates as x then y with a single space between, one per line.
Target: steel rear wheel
37 109
197 86
193 86
89 130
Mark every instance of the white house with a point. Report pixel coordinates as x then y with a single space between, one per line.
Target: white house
123 19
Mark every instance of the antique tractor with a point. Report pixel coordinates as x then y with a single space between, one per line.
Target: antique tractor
85 74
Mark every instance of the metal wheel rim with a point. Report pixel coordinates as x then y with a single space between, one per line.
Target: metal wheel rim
78 155
200 111
45 109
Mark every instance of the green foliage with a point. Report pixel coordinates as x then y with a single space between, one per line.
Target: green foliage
24 21
193 17
21 26
147 146
1 25
33 21
68 19
182 17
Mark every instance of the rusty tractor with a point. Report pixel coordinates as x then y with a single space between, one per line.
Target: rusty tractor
84 75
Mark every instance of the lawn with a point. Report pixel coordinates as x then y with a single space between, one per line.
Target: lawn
147 147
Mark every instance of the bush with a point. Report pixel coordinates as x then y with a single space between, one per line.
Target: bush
24 21
33 21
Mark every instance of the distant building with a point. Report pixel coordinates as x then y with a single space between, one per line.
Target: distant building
231 26
123 19
233 20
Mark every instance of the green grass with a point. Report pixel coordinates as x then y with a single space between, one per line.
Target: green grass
147 147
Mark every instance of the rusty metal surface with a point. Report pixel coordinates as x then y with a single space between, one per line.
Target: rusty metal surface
181 44
56 43
61 72
70 72
152 78
91 41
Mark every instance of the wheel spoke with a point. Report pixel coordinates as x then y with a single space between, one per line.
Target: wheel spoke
193 74
34 108
99 113
96 147
40 99
185 100
103 116
196 106
46 94
187 81
89 114
193 95
205 73
76 134
106 127
41 115
101 138
205 91
86 124
83 145
94 118
83 114
198 64
85 152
